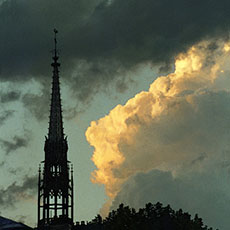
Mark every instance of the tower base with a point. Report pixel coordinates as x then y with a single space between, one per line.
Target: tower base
61 227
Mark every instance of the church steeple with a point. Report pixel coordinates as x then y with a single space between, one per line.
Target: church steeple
55 123
55 181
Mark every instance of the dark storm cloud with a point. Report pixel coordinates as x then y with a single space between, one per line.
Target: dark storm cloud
135 31
5 115
26 32
88 77
14 144
9 96
121 35
14 192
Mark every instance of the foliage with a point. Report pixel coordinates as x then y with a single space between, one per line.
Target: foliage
152 217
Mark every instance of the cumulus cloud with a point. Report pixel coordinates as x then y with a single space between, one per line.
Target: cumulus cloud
183 120
17 192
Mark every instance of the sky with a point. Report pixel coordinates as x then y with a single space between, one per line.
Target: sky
146 103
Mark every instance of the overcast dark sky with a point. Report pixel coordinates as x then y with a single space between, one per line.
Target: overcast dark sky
121 33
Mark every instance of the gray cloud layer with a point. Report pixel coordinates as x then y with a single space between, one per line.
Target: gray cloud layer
14 144
4 115
9 96
14 192
196 192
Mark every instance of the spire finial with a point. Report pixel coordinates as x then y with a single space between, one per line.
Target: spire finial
55 43
55 125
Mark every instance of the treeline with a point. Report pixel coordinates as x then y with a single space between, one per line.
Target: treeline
152 217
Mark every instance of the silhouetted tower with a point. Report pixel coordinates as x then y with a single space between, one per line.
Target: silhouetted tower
55 185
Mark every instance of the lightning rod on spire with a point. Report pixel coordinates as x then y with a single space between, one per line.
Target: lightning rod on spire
55 42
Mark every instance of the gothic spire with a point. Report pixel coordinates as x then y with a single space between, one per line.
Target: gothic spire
55 181
55 124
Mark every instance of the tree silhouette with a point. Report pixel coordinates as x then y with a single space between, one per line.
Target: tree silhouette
151 217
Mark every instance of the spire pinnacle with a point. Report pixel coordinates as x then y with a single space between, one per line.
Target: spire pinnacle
55 124
55 43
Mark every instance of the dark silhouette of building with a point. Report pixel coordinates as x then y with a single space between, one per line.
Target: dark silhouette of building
7 224
55 182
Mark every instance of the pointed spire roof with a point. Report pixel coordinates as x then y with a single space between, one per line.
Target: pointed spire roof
55 124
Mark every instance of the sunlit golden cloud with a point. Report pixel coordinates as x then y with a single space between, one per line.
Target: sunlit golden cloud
115 137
